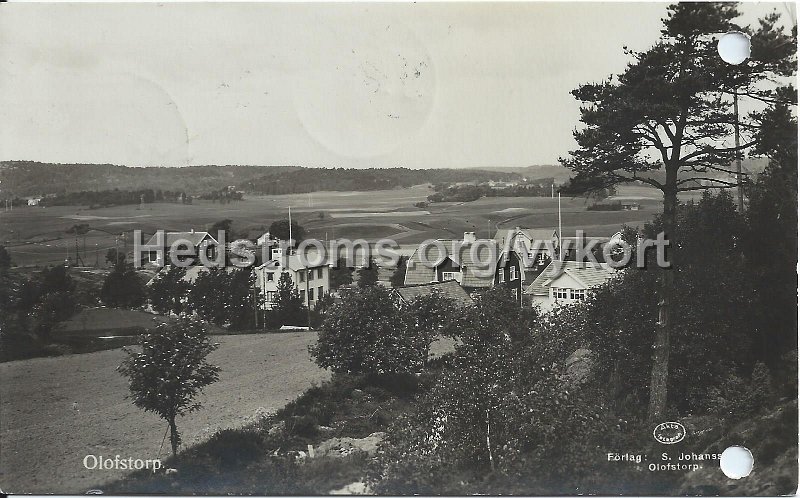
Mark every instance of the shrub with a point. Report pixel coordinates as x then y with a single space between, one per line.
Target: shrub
367 333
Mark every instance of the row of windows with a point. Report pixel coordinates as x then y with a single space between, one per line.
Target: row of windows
311 273
573 294
302 277
320 293
272 296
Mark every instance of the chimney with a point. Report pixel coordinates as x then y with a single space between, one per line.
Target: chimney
469 237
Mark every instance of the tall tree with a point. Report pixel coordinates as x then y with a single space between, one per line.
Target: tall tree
770 241
667 121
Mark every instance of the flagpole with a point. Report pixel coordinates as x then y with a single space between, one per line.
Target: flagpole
290 228
560 241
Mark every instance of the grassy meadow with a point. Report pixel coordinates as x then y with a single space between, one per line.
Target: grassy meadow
38 235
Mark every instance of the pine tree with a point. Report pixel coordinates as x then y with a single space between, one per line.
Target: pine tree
665 122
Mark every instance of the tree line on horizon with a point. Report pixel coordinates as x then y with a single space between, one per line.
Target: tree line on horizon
29 178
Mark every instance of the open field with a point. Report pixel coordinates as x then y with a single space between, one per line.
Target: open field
38 235
44 440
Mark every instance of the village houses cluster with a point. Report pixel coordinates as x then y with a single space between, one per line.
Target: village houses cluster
532 278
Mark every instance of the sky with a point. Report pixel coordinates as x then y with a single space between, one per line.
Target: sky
332 85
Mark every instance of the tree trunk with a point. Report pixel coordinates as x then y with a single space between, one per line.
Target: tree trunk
660 370
173 436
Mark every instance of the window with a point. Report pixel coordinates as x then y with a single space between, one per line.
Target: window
302 276
449 275
270 276
560 293
320 292
310 294
319 272
270 296
501 276
310 275
512 272
303 295
578 294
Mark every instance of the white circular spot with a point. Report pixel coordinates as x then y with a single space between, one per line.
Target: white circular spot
734 47
736 462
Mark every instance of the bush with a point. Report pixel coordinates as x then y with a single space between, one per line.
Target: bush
737 397
367 333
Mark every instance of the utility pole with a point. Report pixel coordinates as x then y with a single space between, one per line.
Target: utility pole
738 152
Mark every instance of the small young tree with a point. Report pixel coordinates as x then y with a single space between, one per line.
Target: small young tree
170 371
288 308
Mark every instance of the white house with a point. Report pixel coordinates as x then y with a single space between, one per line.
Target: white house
34 201
567 282
192 241
312 280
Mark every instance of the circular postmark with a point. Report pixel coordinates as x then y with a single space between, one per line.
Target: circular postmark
669 432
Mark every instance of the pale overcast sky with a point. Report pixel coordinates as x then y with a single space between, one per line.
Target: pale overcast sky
352 85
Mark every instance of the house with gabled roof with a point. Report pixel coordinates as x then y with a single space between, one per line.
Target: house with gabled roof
195 243
535 243
474 264
567 282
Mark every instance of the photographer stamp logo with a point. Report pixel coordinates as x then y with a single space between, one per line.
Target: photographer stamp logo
669 432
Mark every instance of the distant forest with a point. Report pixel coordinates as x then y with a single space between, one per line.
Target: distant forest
467 193
27 178
115 197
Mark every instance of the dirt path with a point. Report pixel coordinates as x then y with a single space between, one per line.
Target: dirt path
43 441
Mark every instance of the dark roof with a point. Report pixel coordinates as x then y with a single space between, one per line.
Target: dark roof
449 289
418 273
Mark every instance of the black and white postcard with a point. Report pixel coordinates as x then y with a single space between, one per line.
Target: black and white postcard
526 248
